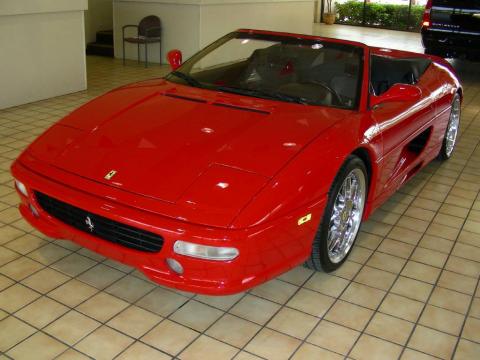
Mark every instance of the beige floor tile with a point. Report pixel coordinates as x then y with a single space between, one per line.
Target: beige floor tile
233 330
8 233
13 331
255 309
457 282
467 251
72 293
102 306
100 276
409 230
49 254
104 343
308 351
432 342
130 288
327 284
41 312
134 321
463 266
371 348
375 278
275 290
43 346
204 346
369 241
441 319
390 328
243 355
170 337
453 210
5 282
412 289
419 213
475 308
139 351
20 268
471 331
162 302
333 337
396 248
363 295
442 231
401 307
469 238
220 302
73 264
25 244
348 270
72 327
350 315
297 276
311 302
437 244
293 323
72 354
450 300
386 262
272 345
360 254
196 315
410 354
16 297
422 272
429 257
467 350
45 280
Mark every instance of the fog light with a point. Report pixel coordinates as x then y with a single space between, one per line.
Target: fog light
21 187
34 210
175 266
204 251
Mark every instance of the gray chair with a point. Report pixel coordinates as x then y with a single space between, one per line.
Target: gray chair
149 31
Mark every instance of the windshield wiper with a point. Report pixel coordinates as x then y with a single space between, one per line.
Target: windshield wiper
190 80
264 94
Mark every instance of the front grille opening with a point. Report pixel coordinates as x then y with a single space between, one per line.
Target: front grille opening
100 226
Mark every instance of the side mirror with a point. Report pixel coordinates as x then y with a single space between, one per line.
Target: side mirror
398 92
175 59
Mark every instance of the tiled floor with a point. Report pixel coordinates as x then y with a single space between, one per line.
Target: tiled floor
409 289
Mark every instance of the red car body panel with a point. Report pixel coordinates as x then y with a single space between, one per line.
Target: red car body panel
187 174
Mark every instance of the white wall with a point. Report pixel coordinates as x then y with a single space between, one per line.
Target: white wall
42 49
189 25
99 16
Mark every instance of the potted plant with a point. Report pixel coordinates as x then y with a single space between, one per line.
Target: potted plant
329 15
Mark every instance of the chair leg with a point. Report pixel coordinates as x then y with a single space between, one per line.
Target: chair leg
123 52
146 54
138 53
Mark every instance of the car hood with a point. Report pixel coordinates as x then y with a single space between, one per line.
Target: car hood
182 145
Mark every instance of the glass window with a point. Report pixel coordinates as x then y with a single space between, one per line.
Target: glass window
277 67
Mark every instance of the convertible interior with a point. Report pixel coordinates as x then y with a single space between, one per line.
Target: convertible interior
387 71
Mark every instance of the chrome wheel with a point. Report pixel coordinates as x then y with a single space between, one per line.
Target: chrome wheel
452 128
346 216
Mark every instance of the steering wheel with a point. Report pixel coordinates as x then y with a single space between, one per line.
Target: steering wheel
337 97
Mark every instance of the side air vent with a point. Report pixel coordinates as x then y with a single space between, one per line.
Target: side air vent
264 112
186 98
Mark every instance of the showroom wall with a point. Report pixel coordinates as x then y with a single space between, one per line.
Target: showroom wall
42 46
191 24
99 16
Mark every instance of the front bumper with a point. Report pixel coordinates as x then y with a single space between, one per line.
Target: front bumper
265 250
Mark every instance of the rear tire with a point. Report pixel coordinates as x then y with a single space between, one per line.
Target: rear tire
451 132
342 217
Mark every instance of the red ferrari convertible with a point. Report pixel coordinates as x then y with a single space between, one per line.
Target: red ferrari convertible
263 151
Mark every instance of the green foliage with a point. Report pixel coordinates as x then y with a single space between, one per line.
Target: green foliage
380 15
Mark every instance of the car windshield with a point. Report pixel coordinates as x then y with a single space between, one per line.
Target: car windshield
285 68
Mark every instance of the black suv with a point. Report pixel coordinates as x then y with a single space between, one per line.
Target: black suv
451 28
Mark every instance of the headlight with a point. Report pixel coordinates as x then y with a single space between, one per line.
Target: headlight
204 251
21 187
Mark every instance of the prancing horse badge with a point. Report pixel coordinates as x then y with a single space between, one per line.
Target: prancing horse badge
110 175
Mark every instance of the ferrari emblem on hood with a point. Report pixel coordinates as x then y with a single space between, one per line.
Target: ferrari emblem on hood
110 175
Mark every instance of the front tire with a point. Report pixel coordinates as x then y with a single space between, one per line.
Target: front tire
451 133
342 217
